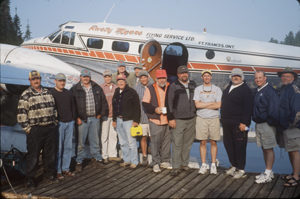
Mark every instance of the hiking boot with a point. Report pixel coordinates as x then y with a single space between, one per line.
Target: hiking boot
133 166
124 164
213 169
231 171
264 178
78 167
145 161
59 176
68 173
166 165
156 168
204 168
239 174
115 159
175 172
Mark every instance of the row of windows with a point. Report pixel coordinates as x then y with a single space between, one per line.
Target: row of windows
67 37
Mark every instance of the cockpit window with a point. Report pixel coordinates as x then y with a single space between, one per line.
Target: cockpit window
174 50
65 38
57 39
52 36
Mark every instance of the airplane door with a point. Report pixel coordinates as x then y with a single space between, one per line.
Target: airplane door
151 56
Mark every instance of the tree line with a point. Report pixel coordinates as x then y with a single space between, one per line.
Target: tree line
290 39
10 27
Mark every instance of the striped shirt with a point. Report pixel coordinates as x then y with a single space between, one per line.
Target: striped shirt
90 102
36 109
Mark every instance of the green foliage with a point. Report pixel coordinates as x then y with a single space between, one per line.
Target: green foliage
290 39
10 29
27 33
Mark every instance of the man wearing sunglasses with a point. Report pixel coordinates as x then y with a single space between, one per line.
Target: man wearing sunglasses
37 115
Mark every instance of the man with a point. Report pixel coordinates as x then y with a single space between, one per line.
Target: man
38 117
126 114
91 105
66 116
121 70
181 112
289 120
265 114
140 89
154 104
236 111
109 135
208 102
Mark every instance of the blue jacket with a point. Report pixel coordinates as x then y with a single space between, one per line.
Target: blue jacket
266 106
289 108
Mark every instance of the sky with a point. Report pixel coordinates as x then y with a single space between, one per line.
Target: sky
248 19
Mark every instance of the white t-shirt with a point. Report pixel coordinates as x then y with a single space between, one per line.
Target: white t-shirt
208 94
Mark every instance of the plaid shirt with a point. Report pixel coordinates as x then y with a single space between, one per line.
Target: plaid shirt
90 102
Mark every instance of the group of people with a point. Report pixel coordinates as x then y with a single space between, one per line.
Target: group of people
171 116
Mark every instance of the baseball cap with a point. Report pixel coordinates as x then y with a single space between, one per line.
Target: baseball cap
237 72
121 63
107 73
206 71
139 66
33 74
161 73
143 73
121 77
60 76
182 69
85 73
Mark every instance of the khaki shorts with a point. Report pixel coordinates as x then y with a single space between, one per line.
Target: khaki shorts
291 138
146 129
207 128
265 135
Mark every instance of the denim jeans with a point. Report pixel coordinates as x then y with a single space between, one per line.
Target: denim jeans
64 154
127 142
90 130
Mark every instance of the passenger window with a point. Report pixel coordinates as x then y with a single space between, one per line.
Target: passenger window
57 39
152 50
174 50
95 43
72 38
120 46
65 37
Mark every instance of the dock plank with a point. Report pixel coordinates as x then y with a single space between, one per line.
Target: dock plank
195 190
277 189
217 192
267 188
244 188
211 186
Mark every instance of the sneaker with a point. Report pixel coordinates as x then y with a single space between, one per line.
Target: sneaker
262 174
68 173
231 171
175 172
115 159
145 161
124 164
78 167
204 168
59 176
239 174
213 169
264 178
185 168
105 161
156 168
166 165
133 166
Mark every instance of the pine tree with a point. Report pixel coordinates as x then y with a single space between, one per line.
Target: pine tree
289 39
27 35
272 40
297 38
17 29
6 25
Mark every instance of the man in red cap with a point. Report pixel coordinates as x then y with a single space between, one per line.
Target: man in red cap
154 106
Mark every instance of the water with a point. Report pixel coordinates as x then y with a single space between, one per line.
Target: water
254 162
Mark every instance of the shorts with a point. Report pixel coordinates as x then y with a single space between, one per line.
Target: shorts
291 138
146 129
265 135
207 128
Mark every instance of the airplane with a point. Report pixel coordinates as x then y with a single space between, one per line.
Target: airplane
16 63
99 46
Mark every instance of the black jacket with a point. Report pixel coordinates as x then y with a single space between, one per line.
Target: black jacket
126 105
237 105
179 106
80 100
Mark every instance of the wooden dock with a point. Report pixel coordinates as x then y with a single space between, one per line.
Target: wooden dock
113 181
